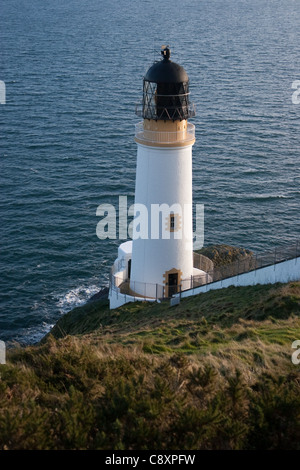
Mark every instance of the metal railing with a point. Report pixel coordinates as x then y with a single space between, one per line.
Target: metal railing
164 137
254 262
202 262
211 273
157 291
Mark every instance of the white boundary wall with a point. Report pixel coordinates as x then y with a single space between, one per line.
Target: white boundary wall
116 299
285 271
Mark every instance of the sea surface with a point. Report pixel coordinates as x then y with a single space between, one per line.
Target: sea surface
73 71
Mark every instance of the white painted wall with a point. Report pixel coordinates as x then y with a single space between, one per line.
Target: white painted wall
163 175
282 272
116 299
120 266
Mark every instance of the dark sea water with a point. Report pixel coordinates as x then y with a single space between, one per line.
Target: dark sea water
73 71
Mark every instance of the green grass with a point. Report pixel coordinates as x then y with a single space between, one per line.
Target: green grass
199 324
213 372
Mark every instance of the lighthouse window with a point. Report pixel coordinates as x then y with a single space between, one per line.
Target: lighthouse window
149 100
172 222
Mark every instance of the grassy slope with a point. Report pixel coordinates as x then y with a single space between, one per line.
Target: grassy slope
214 372
249 323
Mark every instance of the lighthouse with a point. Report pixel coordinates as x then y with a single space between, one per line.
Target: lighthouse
158 261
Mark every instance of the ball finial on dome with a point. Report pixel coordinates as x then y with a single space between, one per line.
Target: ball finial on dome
165 52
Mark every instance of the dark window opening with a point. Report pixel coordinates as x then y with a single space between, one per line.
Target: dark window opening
172 222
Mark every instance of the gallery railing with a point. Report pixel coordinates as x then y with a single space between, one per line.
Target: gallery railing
184 110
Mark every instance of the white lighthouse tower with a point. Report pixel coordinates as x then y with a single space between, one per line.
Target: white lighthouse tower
159 259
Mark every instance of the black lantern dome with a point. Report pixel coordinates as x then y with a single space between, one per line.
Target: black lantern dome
166 91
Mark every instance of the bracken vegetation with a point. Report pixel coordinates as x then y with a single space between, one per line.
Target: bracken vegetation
213 372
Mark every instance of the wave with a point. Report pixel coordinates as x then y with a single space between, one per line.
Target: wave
32 335
257 197
76 297
65 303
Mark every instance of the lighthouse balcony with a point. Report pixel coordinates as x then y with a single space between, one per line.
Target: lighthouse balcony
160 133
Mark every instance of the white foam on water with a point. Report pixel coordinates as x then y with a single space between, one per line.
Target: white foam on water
33 334
65 302
76 297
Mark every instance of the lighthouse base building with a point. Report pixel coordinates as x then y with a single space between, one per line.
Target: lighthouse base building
159 261
120 292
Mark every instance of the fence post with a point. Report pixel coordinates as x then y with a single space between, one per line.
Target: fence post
156 292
